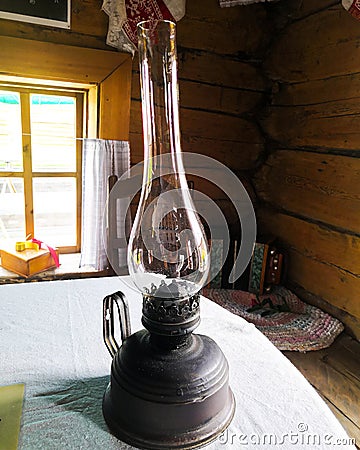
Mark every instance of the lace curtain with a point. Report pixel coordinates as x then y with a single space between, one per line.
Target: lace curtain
102 159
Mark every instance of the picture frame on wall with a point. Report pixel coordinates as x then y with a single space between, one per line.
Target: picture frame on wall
52 13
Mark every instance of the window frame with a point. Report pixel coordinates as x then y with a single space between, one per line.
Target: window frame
106 75
28 174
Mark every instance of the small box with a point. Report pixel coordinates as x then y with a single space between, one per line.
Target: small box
28 262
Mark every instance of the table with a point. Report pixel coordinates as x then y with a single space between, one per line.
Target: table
51 339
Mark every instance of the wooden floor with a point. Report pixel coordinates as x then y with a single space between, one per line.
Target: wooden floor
335 374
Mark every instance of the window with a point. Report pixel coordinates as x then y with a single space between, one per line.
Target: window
40 165
99 81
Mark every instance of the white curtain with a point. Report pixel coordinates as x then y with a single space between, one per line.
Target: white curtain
101 159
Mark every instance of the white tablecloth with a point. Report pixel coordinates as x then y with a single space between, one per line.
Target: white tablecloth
51 339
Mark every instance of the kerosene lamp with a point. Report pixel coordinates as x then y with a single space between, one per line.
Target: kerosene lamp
169 387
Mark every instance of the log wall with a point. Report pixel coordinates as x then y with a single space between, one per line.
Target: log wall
221 88
309 185
220 80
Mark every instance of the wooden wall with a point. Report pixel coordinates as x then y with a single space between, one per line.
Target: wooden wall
220 79
309 185
220 83
220 86
88 27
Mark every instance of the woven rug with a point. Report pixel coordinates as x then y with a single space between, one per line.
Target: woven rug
288 322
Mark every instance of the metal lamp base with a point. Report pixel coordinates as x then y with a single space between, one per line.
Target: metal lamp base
164 397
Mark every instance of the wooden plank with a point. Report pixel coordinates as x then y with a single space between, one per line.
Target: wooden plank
114 117
233 141
342 392
298 9
318 186
211 125
27 164
209 97
335 285
237 31
238 156
207 125
55 35
321 108
217 98
219 70
318 92
307 7
318 42
79 142
56 61
352 430
337 120
239 101
323 244
345 360
88 18
91 121
353 347
311 365
209 10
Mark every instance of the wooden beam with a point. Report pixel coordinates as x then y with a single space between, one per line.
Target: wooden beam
337 286
318 92
209 97
35 59
219 70
115 92
312 240
300 9
318 186
27 164
334 372
315 47
210 125
223 31
79 134
337 120
238 156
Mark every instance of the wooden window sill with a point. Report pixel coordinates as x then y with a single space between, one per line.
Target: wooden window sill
69 269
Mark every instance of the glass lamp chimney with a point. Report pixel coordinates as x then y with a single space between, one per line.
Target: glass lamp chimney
168 254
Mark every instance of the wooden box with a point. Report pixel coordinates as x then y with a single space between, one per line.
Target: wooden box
28 262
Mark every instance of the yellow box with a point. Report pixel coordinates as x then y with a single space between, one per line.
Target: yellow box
28 262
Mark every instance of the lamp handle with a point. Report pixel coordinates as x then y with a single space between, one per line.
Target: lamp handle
117 298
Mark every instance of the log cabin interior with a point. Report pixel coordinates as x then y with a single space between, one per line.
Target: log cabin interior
271 91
